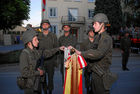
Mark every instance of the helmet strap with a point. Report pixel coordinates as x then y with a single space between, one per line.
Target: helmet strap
32 45
45 29
66 31
101 27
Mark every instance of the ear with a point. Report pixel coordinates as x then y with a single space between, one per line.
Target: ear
29 43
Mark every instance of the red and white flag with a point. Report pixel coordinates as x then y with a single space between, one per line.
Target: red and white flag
43 5
82 62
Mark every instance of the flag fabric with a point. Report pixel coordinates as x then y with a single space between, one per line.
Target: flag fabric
82 61
73 74
43 5
66 53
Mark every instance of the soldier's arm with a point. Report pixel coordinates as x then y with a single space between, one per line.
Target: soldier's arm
100 52
24 66
55 41
59 42
49 53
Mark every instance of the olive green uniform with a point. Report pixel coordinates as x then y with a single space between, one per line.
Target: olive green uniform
28 62
70 40
48 42
67 41
103 57
125 47
87 45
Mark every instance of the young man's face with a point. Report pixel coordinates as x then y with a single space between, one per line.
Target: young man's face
91 34
35 41
45 25
66 28
96 26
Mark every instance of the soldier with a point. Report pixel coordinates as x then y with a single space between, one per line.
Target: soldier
48 41
125 49
102 55
66 40
86 45
28 60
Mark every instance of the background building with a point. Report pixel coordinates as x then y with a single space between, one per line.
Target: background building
77 13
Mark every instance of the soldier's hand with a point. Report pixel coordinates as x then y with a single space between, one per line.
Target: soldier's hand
62 48
41 71
70 47
78 52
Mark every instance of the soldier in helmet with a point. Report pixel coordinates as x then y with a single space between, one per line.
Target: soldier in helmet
101 54
28 60
66 40
86 45
125 49
48 41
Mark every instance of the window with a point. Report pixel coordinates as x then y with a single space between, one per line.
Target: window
77 0
67 0
54 29
91 0
72 14
90 13
52 12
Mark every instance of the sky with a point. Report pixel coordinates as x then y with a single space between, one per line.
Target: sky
35 13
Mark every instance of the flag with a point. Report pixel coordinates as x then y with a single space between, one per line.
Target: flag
43 5
73 74
82 61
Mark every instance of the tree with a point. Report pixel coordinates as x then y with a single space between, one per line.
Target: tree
132 9
13 12
112 8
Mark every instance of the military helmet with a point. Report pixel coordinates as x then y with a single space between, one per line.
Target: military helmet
28 26
100 17
28 35
66 25
45 21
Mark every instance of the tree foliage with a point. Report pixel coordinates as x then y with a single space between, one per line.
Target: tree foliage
13 12
133 16
112 8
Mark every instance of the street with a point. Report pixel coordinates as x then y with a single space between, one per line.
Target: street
127 83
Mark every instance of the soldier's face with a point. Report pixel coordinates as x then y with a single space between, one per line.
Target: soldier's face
35 41
91 34
45 25
96 26
66 28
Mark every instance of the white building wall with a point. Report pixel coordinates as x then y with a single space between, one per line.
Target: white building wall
62 10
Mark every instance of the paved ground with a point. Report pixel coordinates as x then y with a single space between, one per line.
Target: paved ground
128 82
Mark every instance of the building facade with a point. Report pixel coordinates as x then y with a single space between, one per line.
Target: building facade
77 13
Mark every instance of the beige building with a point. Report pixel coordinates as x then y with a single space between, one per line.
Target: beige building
77 13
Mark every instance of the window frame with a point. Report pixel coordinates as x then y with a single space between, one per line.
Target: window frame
56 29
49 11
91 1
89 14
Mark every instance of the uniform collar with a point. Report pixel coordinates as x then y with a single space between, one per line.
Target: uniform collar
31 50
67 36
